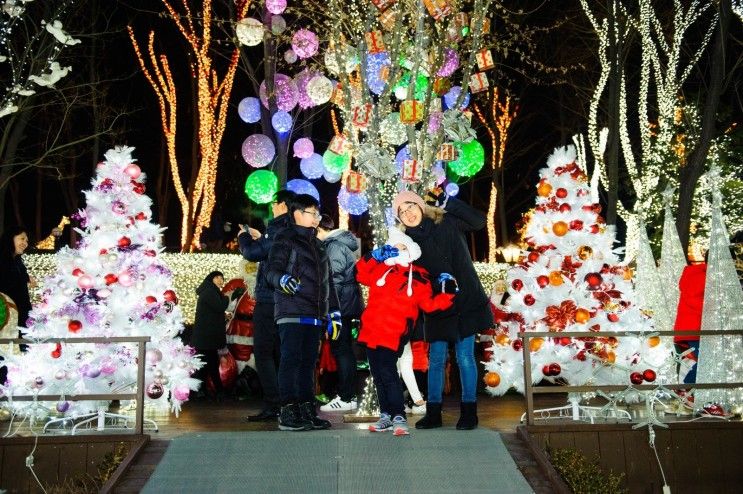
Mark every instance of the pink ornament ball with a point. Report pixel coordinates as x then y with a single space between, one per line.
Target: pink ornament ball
305 43
155 391
154 356
290 56
181 392
133 171
126 279
276 6
286 91
258 150
303 147
85 282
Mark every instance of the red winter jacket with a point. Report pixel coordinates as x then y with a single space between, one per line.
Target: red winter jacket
691 301
390 314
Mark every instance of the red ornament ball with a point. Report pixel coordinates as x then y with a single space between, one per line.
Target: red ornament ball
594 280
649 375
150 299
170 296
77 272
529 299
533 256
581 356
124 242
517 285
74 326
140 216
57 352
555 369
636 378
546 370
565 341
576 225
150 253
110 279
543 281
561 192
594 229
613 317
517 345
138 187
564 207
155 391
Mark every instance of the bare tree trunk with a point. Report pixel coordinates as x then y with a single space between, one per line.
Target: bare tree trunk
39 201
612 144
695 165
162 191
15 198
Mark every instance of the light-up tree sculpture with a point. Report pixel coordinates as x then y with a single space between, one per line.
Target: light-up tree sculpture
197 197
405 70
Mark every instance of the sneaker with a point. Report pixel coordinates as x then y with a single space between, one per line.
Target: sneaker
400 426
338 405
290 419
418 409
383 424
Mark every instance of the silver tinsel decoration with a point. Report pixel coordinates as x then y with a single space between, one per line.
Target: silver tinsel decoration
375 161
720 357
650 289
457 127
672 258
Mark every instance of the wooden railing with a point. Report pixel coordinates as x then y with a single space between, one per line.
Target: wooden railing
138 395
530 389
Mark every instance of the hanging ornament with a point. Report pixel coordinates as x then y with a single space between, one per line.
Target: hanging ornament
85 282
392 130
585 252
305 43
320 89
451 189
281 121
491 379
74 326
299 186
535 344
276 6
582 315
556 278
594 280
278 24
155 391
544 188
336 163
249 31
355 203
303 148
290 56
286 92
470 158
560 228
450 63
249 109
133 171
261 186
450 98
258 150
312 166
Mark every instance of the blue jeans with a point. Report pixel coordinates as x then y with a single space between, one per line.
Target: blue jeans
465 351
342 350
300 345
383 367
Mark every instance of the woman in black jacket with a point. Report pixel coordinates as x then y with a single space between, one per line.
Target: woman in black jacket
209 330
306 302
440 233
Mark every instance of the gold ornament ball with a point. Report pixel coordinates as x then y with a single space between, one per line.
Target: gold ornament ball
502 339
560 228
544 189
556 278
582 315
492 379
653 341
535 344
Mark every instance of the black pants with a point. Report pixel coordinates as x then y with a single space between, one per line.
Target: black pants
383 367
211 368
300 345
342 350
266 348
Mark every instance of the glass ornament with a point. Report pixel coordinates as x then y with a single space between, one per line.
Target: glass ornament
286 92
281 121
355 203
258 150
330 176
276 6
450 98
249 109
336 163
450 63
290 56
300 186
320 89
278 24
302 81
303 147
249 31
470 158
451 189
312 167
305 43
376 65
261 186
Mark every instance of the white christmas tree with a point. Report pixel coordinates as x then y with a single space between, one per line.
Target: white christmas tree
570 280
672 258
651 288
719 357
113 284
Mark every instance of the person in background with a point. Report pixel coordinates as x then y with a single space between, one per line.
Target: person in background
255 247
439 229
407 372
398 290
209 332
340 246
306 302
689 314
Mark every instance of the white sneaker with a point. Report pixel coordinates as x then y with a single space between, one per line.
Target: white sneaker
338 405
417 409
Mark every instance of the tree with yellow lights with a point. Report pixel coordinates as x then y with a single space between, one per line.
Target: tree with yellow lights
197 196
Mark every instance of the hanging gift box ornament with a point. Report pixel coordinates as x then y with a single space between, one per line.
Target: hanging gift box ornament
484 59
437 8
411 111
355 182
447 152
485 25
375 42
478 82
339 144
462 21
441 86
387 19
412 171
338 97
383 5
361 116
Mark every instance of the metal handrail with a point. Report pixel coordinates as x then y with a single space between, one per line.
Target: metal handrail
138 396
530 389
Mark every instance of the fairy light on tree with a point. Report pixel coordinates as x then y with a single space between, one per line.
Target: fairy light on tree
212 96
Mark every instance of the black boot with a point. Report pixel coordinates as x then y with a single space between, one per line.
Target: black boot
432 419
309 413
291 419
468 418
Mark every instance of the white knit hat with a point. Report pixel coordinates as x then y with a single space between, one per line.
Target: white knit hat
405 258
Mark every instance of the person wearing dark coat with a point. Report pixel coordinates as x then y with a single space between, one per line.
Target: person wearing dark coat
255 247
439 229
306 302
14 278
209 331
341 246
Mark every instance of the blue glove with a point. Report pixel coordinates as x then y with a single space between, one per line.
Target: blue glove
334 325
289 284
384 252
448 283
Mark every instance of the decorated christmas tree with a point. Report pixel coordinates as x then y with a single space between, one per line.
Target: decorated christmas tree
112 284
570 280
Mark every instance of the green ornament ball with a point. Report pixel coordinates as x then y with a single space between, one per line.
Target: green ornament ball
261 186
470 158
336 163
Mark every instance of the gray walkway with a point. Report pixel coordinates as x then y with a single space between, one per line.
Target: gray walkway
338 461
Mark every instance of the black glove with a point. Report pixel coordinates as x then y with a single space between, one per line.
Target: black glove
435 197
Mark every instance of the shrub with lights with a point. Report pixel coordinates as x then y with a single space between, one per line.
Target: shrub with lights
570 280
113 284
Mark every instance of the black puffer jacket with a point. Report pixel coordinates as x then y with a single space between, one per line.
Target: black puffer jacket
209 325
341 245
257 251
296 251
14 283
444 250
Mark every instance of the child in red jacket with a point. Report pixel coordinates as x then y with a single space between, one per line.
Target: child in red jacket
397 290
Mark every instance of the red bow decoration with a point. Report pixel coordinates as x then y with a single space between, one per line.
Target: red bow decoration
558 316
